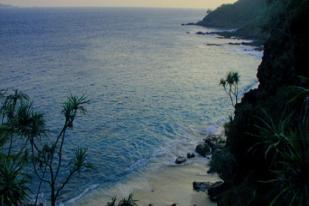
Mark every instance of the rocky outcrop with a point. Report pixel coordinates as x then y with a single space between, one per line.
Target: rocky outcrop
203 149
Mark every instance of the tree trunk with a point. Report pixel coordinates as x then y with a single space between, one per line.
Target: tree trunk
52 197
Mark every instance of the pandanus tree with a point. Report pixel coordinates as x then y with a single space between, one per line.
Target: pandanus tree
230 85
48 159
24 139
13 148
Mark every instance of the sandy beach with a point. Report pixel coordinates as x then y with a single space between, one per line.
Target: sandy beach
164 186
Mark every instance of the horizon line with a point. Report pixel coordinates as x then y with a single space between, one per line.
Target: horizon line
125 7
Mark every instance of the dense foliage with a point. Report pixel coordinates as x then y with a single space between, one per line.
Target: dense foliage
28 151
248 16
267 140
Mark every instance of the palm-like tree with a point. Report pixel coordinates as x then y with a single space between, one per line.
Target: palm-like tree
48 159
21 130
230 86
13 182
19 124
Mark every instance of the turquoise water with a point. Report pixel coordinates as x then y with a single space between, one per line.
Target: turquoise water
152 83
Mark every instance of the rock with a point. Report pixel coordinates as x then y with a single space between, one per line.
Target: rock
190 155
201 186
200 33
203 149
189 24
216 189
211 44
180 160
174 204
233 43
215 142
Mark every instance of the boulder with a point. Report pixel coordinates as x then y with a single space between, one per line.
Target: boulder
180 160
215 142
190 155
203 149
201 186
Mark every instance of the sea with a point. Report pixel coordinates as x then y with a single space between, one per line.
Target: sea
152 83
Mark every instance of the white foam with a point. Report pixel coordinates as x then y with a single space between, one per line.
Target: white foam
78 197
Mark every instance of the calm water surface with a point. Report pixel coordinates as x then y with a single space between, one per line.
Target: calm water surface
152 83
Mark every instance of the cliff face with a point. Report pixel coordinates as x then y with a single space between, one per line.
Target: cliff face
286 52
285 67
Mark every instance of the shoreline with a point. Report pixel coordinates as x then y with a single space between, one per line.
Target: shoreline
228 33
160 183
162 186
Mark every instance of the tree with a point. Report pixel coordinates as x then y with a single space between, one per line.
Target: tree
48 161
13 182
23 140
230 86
13 153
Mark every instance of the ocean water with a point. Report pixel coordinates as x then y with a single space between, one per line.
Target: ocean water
152 83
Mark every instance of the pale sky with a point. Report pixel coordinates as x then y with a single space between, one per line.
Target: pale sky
122 3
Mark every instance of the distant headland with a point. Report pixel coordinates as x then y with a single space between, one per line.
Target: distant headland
6 6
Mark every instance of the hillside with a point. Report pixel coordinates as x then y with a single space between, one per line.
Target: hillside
247 16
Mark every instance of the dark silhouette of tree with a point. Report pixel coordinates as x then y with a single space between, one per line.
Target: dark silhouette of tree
23 140
230 86
48 161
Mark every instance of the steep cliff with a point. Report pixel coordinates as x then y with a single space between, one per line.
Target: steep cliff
270 116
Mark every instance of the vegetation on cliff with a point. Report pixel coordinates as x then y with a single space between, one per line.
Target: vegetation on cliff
267 140
246 16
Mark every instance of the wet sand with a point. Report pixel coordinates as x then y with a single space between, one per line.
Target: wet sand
163 187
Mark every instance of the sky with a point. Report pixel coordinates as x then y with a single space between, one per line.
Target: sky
119 3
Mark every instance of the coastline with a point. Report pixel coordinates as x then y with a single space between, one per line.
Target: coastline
232 34
162 183
162 186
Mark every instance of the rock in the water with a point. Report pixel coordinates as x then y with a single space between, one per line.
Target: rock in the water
201 186
203 149
190 155
180 160
189 24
